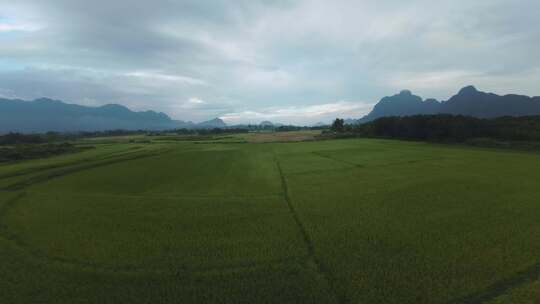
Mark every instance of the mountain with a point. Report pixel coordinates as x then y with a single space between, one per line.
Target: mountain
468 101
323 124
402 104
211 124
266 124
42 115
350 121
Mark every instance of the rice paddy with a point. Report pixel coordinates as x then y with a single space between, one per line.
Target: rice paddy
336 221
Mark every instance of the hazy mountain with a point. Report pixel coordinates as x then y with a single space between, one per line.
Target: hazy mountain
44 114
266 124
321 124
211 124
468 101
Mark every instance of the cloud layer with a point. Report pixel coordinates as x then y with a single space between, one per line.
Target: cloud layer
291 61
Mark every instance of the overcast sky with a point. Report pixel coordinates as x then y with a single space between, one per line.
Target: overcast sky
246 61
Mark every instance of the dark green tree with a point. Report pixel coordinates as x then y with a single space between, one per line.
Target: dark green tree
338 125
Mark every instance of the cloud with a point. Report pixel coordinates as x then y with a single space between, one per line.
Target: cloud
193 103
300 114
443 84
23 27
259 56
196 101
159 77
6 93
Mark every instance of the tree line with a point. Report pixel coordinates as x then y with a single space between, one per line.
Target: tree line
445 128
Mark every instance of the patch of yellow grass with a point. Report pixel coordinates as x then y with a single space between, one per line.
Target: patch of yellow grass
292 136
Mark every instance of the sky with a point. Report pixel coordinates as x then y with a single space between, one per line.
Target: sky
246 61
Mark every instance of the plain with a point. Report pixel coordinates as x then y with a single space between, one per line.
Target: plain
235 221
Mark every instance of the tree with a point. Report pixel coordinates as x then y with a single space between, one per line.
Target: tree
338 125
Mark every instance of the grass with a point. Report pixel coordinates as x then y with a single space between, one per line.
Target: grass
341 221
32 151
526 294
292 136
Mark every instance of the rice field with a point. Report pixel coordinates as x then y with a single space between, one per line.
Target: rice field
336 221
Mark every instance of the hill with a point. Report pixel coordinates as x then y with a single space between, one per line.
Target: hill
468 101
211 124
42 115
266 124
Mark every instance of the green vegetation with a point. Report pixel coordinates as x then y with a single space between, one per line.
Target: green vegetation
31 151
166 219
513 132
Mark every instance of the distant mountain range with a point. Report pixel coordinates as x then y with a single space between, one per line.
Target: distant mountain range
468 101
42 115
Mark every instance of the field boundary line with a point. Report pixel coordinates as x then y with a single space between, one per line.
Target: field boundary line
501 287
320 154
70 163
73 169
323 171
412 161
241 266
323 271
303 230
157 197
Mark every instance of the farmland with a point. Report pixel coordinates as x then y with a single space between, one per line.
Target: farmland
247 219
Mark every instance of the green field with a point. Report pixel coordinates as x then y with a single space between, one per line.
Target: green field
334 221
